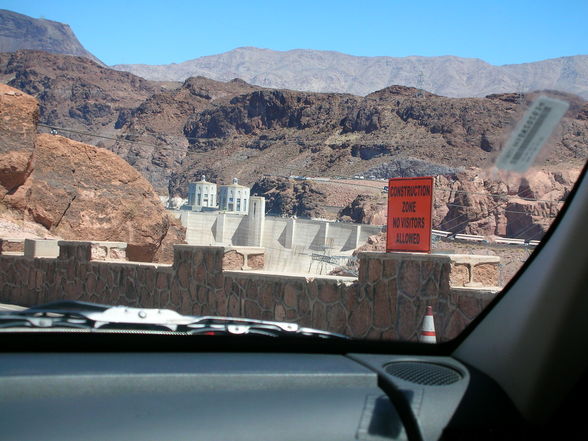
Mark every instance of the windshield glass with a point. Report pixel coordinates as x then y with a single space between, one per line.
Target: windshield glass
377 174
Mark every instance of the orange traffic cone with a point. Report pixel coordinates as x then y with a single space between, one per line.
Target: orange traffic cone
428 334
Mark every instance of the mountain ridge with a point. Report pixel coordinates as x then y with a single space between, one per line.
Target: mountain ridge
311 70
331 71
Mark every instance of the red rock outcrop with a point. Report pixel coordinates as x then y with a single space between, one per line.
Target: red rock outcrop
512 206
474 202
18 118
78 191
289 197
366 209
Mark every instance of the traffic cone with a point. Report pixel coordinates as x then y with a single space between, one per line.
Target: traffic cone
428 334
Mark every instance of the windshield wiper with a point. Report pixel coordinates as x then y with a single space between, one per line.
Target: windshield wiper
96 317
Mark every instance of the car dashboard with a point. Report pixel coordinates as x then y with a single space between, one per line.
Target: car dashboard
229 396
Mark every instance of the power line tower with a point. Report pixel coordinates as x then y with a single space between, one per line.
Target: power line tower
521 93
420 84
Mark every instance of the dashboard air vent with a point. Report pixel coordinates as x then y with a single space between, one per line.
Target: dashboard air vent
428 374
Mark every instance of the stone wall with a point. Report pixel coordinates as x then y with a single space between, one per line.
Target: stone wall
396 288
322 302
386 301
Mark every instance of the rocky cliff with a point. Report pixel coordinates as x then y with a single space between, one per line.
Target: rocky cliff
75 92
287 133
290 198
18 31
75 190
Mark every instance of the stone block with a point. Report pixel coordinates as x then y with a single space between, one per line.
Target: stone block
374 270
41 248
234 306
183 274
407 319
319 316
291 296
163 279
384 312
304 308
256 261
279 313
474 270
336 318
455 324
327 291
210 257
459 275
11 246
486 274
389 269
75 249
264 293
360 318
244 258
251 309
409 277
232 260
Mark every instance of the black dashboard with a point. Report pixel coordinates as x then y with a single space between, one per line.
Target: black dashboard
228 396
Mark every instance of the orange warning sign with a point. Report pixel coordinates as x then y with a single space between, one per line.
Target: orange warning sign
410 204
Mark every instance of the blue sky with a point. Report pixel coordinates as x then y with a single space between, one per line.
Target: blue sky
161 32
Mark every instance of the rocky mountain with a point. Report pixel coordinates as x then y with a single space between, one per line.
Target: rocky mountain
172 133
18 31
326 71
75 190
75 92
366 209
285 133
155 139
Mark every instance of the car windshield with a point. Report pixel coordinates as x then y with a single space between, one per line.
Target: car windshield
378 173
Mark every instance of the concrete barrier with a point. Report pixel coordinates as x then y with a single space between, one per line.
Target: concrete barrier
41 248
92 250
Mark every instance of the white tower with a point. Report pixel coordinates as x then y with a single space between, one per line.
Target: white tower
234 198
202 194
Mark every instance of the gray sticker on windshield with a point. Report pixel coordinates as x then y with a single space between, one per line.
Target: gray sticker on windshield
531 133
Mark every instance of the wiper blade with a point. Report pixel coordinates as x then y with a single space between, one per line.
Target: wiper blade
241 326
68 306
91 316
15 320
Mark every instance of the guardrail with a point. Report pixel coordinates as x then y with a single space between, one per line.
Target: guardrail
483 239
